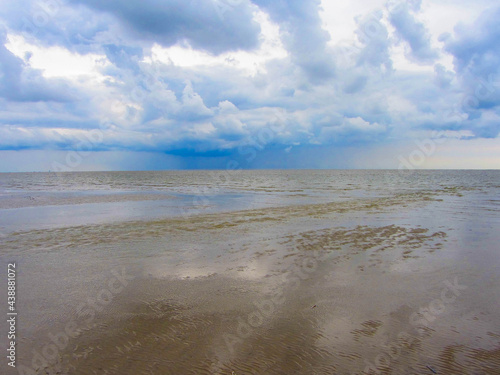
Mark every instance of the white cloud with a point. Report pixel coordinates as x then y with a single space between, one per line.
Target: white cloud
250 62
57 61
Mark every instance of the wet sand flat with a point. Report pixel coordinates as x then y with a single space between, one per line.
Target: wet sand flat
405 282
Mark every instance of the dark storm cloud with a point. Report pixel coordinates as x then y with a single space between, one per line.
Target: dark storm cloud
210 25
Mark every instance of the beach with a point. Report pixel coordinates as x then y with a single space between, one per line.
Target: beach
254 272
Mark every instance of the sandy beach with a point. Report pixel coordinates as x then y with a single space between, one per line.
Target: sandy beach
404 282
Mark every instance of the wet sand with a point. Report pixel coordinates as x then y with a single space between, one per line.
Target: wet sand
38 199
403 284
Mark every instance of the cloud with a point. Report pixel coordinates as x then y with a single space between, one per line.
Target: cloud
355 85
212 25
414 33
476 52
476 55
59 23
84 26
303 35
374 37
476 46
146 93
352 128
19 82
443 77
123 57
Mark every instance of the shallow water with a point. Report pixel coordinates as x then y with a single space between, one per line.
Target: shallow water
346 258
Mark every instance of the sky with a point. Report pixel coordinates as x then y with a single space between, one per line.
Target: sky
230 84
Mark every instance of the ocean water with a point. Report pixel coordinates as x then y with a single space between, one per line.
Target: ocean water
201 249
46 200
